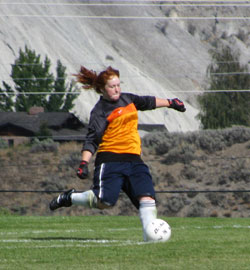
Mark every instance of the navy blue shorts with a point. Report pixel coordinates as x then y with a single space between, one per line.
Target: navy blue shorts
112 177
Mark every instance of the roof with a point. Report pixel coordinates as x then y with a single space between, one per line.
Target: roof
32 123
69 134
152 127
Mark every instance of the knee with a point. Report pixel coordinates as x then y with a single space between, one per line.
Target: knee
146 198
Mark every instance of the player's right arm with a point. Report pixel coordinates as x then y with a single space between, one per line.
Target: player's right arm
86 155
83 170
96 128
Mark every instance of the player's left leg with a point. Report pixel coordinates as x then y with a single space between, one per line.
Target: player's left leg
147 212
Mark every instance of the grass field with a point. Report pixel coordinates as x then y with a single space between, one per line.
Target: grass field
115 242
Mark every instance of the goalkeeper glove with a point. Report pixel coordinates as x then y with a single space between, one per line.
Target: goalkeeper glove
83 170
176 104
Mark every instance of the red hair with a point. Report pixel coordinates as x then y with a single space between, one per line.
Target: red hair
91 80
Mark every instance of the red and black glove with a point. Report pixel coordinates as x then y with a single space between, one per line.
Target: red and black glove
83 170
177 105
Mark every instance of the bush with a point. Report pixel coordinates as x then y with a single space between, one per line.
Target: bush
161 142
175 204
197 209
3 144
189 172
72 160
5 212
44 146
209 140
180 154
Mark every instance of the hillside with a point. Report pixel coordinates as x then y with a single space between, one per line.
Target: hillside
196 161
156 51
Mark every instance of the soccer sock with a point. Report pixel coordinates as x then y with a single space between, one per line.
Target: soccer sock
87 199
148 212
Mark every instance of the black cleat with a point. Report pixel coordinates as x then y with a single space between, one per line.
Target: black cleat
63 200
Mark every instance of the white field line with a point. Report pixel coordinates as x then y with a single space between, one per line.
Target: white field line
235 226
57 240
69 243
44 231
64 231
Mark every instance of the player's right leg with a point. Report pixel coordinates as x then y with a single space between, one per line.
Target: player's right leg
107 186
63 200
71 197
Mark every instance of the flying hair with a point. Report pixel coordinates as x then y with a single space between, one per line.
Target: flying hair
90 80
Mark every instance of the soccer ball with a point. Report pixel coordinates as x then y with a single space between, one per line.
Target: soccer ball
158 230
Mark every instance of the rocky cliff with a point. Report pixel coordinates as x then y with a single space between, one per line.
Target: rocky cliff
161 48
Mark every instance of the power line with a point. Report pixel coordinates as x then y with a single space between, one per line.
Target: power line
157 191
175 91
176 75
67 164
141 4
203 191
228 73
106 17
40 93
96 63
174 1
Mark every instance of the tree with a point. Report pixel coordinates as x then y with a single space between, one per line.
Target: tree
6 98
224 109
30 75
69 98
61 102
32 79
44 132
55 101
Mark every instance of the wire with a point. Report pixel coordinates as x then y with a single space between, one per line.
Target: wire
95 63
39 93
30 191
35 79
141 4
202 191
106 17
133 76
228 73
177 75
174 1
136 3
66 164
159 191
175 91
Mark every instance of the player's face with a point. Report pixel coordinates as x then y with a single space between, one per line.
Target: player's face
112 89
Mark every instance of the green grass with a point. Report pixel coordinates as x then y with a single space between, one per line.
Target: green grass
115 242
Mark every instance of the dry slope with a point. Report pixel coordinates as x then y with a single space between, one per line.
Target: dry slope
208 160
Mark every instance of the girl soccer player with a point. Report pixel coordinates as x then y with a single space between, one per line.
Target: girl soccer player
113 134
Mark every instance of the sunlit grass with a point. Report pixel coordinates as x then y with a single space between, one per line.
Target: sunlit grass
115 242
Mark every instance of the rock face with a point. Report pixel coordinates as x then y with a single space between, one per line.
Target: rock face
157 51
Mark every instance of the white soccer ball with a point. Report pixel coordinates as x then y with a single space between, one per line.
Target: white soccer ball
158 230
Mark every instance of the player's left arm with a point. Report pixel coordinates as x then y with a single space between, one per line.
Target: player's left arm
161 102
175 104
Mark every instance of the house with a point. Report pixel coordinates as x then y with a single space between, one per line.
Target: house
21 127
